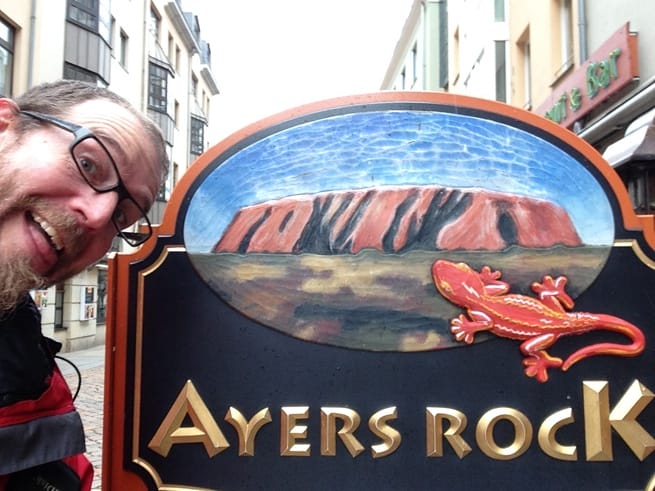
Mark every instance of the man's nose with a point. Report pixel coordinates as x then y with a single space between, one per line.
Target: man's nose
95 209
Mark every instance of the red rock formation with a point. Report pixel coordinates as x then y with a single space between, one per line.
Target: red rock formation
397 219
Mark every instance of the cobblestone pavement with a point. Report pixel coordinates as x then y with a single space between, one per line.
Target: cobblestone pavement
89 402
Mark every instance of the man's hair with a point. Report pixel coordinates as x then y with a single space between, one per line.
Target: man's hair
56 99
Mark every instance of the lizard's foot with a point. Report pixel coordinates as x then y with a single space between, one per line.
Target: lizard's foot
493 285
538 363
552 291
488 276
465 329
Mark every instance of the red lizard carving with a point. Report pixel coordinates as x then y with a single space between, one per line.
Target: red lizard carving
537 322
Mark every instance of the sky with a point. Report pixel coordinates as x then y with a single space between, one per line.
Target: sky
272 55
381 148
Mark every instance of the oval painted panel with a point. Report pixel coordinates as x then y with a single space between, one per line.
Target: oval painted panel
326 227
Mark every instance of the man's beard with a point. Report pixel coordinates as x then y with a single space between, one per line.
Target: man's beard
16 275
16 278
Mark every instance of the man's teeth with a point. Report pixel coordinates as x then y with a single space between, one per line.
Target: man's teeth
50 232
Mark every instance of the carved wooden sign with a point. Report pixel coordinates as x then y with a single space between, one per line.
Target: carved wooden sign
387 291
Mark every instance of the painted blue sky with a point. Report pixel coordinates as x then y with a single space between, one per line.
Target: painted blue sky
396 147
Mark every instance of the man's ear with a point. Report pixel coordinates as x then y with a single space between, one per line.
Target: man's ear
8 112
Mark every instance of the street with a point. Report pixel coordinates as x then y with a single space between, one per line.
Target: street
89 402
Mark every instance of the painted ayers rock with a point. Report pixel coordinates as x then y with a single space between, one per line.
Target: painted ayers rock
397 219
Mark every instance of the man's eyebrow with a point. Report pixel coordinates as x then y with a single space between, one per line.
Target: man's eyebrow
114 148
118 155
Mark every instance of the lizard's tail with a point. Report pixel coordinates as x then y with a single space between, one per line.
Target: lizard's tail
614 324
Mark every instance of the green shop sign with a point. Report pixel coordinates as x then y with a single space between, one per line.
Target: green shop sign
595 81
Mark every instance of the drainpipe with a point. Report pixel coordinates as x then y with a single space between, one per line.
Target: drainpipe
30 56
582 30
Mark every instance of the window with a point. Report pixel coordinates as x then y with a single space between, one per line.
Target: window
166 186
499 10
455 58
197 136
157 88
87 41
171 47
74 72
527 76
524 63
566 20
194 85
639 178
443 47
105 20
153 23
102 296
414 64
162 194
122 58
205 53
84 13
501 76
112 33
177 58
566 36
6 58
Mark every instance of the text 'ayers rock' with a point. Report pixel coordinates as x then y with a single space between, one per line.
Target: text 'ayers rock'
397 219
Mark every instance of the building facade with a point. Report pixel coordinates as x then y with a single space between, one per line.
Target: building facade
148 51
420 60
584 64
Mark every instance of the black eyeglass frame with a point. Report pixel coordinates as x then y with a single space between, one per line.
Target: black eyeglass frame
80 133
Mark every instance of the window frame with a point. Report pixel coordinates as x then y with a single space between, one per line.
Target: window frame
93 11
500 62
157 102
8 45
123 48
196 136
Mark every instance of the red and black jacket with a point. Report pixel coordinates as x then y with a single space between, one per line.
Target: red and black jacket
41 433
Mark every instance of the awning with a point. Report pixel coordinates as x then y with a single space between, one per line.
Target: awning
637 144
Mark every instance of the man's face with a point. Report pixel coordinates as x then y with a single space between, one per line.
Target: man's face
52 223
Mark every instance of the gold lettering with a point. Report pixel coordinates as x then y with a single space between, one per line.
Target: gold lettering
651 484
522 433
290 432
247 430
204 429
548 441
351 421
599 421
391 437
598 432
623 419
434 421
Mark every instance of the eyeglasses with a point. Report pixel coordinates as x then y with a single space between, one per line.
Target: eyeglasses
97 167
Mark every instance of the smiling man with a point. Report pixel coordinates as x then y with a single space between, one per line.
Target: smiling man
78 165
